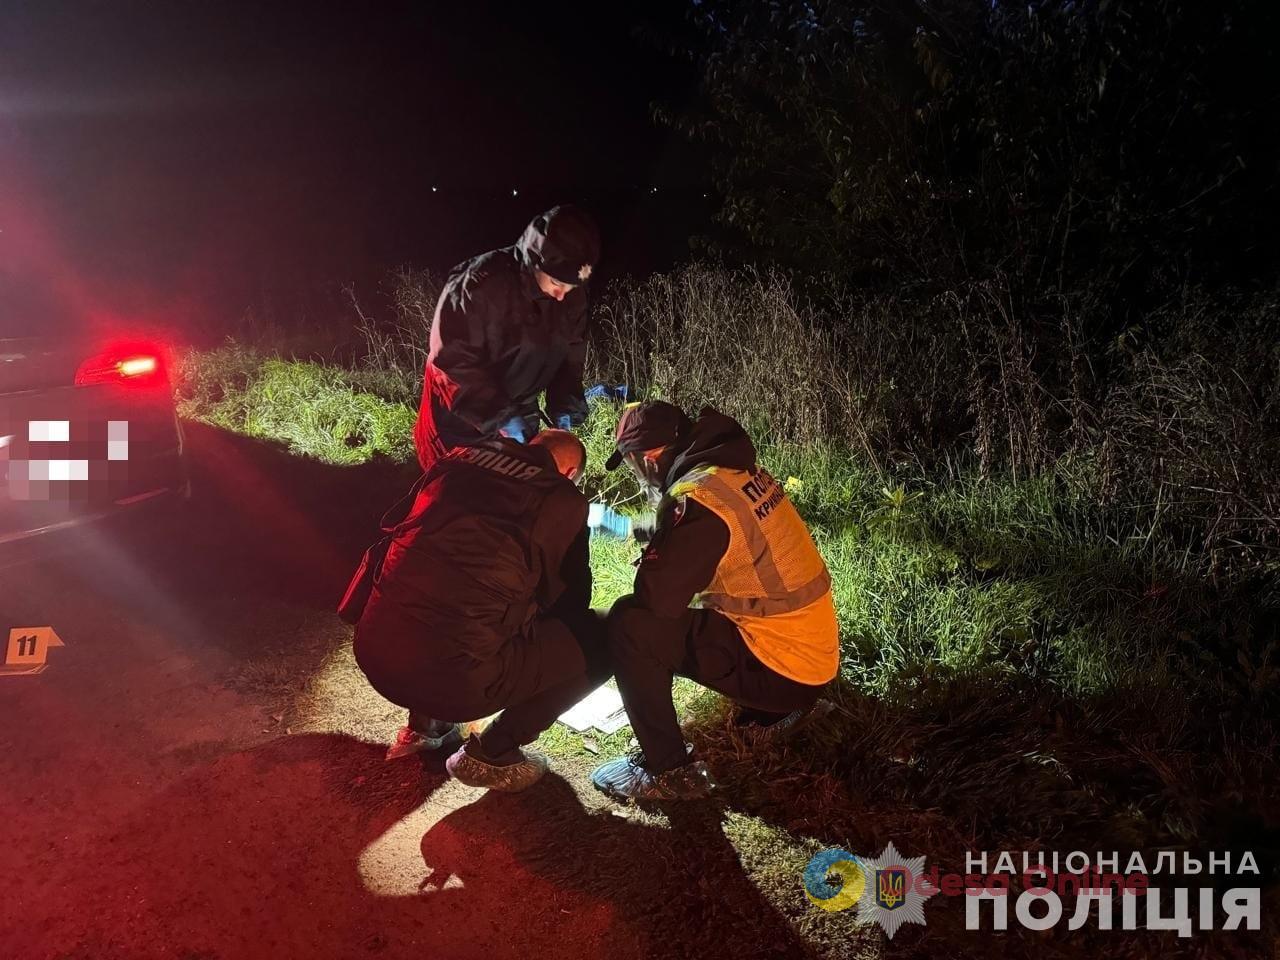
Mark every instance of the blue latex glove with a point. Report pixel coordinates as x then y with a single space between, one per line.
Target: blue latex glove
608 522
515 429
608 391
564 422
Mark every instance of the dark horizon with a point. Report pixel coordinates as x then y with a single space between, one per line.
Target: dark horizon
190 164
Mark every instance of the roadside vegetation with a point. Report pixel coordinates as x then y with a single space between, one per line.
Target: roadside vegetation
989 287
1037 653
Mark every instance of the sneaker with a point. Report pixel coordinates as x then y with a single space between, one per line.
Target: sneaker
625 778
409 741
513 772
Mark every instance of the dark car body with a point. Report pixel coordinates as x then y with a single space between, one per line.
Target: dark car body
88 430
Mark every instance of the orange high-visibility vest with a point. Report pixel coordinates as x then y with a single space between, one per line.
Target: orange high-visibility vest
771 581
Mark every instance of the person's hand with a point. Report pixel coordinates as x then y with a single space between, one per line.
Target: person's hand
608 522
515 429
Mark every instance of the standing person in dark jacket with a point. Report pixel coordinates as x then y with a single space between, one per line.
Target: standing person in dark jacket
763 630
484 605
510 324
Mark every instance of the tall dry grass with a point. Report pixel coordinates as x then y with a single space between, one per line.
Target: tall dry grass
1173 427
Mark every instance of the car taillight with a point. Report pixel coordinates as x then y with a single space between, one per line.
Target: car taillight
129 366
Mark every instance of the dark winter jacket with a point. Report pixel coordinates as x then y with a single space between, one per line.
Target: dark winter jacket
502 539
497 342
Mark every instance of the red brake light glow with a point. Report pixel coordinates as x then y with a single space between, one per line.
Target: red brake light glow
138 366
131 365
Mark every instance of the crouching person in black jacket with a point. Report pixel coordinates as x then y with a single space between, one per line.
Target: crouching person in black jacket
484 606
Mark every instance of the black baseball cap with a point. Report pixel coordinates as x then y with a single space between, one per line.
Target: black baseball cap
644 426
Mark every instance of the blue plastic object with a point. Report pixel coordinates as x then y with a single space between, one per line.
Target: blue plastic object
606 391
515 429
606 521
564 422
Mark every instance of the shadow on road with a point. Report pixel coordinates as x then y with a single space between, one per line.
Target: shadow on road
253 851
682 887
299 848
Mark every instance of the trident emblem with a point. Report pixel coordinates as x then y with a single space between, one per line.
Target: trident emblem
891 887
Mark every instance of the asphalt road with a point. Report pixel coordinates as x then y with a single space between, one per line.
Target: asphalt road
199 772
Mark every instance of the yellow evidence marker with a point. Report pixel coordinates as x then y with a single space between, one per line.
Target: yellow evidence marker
28 650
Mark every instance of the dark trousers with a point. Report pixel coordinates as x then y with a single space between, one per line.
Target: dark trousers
563 661
532 679
648 651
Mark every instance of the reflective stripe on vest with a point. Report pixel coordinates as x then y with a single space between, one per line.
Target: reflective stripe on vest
749 581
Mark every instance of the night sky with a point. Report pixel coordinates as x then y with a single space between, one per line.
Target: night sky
200 159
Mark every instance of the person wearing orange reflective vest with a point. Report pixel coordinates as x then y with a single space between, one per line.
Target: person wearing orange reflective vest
730 592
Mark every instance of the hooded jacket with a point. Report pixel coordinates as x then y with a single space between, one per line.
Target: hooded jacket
502 540
497 341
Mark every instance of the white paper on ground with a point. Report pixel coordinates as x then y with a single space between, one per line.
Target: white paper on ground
602 709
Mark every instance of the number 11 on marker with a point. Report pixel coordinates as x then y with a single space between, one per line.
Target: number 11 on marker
28 650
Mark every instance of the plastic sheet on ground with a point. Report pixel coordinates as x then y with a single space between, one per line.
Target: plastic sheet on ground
601 709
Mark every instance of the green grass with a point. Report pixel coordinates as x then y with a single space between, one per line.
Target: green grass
318 411
1020 669
937 583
